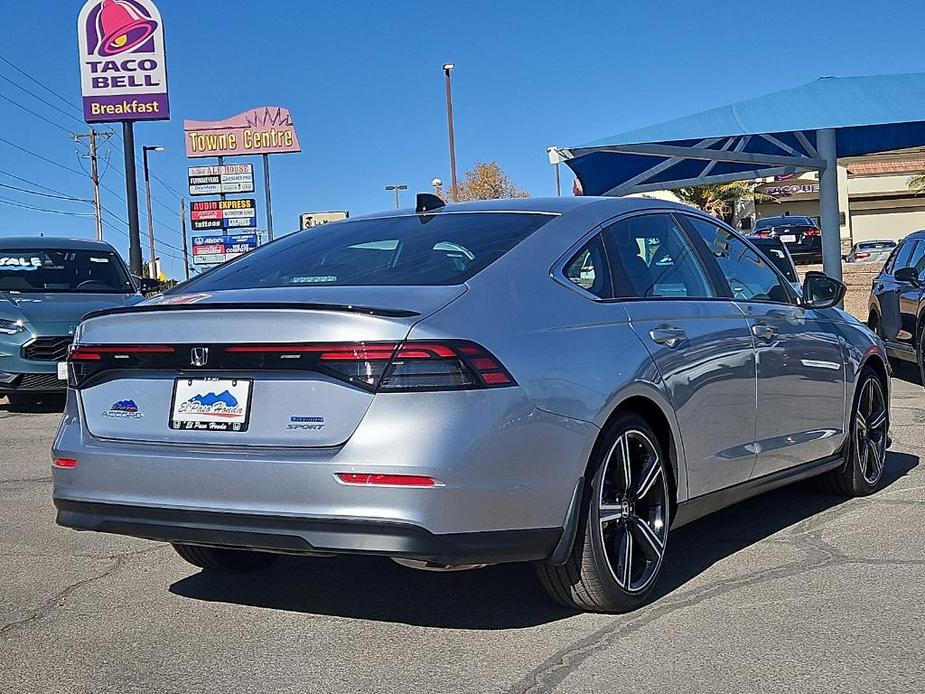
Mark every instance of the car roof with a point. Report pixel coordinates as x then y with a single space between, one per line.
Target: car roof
785 217
914 236
52 243
606 206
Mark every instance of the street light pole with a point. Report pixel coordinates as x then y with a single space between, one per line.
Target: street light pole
397 187
449 119
152 271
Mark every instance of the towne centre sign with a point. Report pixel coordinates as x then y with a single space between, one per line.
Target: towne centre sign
264 130
123 65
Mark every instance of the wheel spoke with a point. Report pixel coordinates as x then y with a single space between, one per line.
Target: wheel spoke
610 513
624 555
649 477
861 420
649 543
877 420
875 461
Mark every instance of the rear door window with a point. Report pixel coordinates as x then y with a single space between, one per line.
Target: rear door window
437 249
903 255
650 256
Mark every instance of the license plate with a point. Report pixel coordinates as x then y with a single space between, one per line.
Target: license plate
211 404
62 370
788 238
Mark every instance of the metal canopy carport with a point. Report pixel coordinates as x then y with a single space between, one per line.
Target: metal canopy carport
801 129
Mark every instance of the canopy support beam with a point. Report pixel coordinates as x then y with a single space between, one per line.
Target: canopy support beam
715 178
658 150
828 204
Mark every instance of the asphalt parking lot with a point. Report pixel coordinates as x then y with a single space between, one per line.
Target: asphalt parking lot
795 591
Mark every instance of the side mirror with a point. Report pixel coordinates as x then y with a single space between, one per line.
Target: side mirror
146 285
907 275
821 291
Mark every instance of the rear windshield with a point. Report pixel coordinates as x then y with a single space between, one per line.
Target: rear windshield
778 257
874 245
78 271
783 221
437 249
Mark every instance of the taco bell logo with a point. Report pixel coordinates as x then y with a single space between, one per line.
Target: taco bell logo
122 61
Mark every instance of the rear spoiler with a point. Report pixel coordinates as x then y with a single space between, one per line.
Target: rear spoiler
228 306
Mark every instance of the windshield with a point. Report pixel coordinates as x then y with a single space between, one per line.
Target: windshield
438 249
875 245
48 270
782 221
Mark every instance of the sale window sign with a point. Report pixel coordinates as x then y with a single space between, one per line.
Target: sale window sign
123 66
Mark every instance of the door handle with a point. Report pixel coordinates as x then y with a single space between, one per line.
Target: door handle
763 331
670 337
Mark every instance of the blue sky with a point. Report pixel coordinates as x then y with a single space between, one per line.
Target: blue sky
365 87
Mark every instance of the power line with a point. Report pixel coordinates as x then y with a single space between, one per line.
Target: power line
41 84
38 98
70 198
30 111
16 203
33 183
39 156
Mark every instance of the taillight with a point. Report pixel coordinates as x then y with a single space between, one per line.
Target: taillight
383 480
861 255
98 352
454 365
67 463
762 234
812 232
389 366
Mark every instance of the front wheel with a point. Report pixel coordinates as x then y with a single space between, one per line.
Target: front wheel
222 560
867 441
618 553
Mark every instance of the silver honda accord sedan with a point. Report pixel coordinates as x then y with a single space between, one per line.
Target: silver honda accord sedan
557 381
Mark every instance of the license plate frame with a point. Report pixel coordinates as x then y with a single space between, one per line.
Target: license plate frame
215 413
788 238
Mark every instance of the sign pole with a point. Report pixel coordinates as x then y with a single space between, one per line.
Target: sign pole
131 197
183 231
266 187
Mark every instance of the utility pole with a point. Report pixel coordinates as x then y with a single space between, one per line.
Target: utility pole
454 190
95 176
183 230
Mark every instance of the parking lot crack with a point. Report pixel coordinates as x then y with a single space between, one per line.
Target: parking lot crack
59 598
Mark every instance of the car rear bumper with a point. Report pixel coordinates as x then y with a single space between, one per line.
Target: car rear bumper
301 535
502 465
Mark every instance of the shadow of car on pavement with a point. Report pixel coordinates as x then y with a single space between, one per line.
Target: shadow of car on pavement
505 596
39 404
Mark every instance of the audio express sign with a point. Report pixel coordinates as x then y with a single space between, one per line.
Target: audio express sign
214 250
223 214
219 180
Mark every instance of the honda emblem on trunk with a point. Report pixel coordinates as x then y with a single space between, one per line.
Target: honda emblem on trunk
199 356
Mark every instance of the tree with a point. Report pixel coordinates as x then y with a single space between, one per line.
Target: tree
719 199
486 181
917 184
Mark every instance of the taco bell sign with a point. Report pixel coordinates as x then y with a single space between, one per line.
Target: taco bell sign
123 67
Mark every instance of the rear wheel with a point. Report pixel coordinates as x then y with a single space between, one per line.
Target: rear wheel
618 553
868 431
224 560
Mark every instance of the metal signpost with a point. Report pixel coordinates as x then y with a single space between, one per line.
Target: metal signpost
231 179
123 78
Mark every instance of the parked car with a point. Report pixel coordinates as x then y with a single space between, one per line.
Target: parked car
775 251
46 286
557 381
800 234
870 251
897 301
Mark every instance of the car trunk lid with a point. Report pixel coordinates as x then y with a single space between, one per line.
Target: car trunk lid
237 369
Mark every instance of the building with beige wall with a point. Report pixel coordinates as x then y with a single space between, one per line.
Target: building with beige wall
874 197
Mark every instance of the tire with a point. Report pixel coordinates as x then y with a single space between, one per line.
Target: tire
867 441
229 561
617 515
920 354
